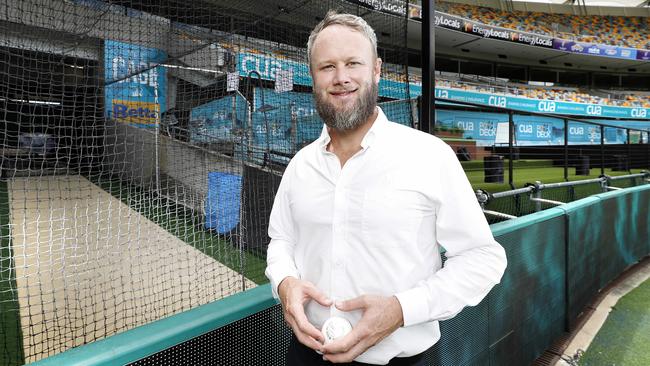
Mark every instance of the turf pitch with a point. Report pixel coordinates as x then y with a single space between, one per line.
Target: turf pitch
624 339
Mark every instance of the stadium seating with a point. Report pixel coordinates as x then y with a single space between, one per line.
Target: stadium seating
613 30
558 94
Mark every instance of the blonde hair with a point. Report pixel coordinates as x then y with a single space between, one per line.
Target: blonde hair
347 20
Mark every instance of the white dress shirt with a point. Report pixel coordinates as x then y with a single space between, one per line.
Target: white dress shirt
377 225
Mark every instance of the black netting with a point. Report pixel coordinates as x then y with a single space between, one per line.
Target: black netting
260 339
142 146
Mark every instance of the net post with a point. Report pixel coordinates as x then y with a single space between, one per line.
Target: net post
428 66
566 150
511 133
602 149
629 151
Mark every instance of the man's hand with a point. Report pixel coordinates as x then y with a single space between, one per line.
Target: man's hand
381 317
294 294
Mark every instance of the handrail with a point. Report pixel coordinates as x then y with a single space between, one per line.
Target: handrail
534 191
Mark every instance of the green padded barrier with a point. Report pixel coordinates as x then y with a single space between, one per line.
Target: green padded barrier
149 339
584 255
464 338
259 339
505 227
527 307
607 233
631 223
525 312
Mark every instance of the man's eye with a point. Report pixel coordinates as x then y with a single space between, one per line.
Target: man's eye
328 67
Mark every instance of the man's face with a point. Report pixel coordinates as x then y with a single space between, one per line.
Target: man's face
346 77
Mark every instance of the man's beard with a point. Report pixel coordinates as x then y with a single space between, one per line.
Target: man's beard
352 116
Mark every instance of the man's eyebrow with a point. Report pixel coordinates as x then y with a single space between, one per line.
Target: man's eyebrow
351 58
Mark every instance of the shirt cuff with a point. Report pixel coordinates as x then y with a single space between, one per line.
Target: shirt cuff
415 306
278 273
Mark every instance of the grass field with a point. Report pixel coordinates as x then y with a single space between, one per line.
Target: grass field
529 171
181 223
624 339
11 348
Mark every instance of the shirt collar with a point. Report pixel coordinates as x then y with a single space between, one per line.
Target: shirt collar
368 139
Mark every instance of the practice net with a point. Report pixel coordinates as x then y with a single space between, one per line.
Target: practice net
143 143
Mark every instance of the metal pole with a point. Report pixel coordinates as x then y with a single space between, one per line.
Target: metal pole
511 133
602 149
428 66
629 151
405 50
566 150
157 139
538 194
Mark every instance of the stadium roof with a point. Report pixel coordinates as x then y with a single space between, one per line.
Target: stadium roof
622 3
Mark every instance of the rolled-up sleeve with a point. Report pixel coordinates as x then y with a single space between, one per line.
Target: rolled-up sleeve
280 255
475 261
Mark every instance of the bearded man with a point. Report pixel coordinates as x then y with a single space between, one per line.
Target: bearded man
358 221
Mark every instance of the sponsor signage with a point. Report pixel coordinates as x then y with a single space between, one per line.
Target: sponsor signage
543 106
643 54
214 121
487 31
135 91
595 49
532 39
532 130
267 67
397 7
448 21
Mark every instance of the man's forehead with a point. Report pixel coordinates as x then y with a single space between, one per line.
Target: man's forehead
334 33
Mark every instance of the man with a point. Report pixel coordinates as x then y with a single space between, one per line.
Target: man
359 218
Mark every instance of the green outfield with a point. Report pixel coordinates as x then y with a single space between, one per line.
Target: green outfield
529 171
10 330
182 223
624 339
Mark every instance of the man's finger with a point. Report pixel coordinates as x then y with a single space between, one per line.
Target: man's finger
348 356
317 295
345 343
303 337
304 325
308 341
352 304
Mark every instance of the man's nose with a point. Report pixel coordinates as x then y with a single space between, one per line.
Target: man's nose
341 76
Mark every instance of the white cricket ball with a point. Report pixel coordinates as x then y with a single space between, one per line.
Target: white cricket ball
335 328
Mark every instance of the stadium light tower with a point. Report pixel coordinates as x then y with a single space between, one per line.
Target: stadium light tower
427 107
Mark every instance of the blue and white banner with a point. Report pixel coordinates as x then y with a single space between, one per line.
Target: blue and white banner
534 130
595 49
215 120
135 91
302 104
267 67
543 106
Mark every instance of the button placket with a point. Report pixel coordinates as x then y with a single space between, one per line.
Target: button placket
338 237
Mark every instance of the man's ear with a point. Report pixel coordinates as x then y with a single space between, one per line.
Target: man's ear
377 70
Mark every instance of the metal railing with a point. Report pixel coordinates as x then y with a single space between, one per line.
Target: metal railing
534 192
